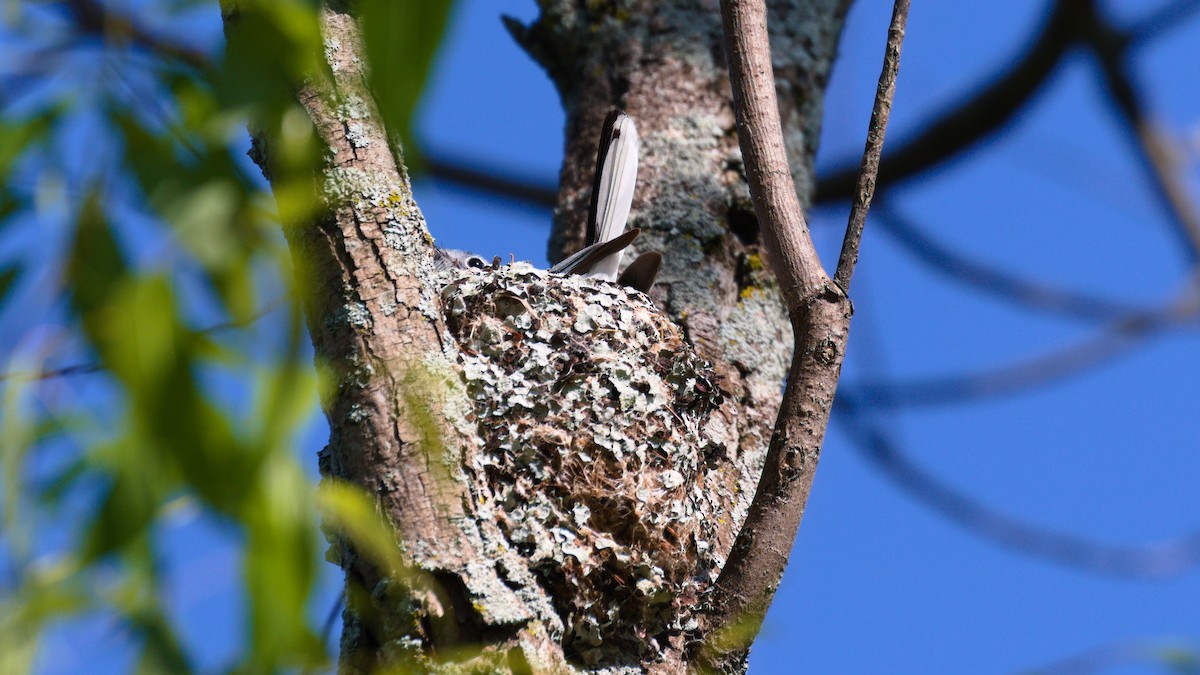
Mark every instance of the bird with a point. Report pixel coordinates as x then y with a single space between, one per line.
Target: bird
606 237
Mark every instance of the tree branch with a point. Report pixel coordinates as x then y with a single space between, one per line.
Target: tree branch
1170 15
1152 561
92 368
996 282
52 373
1117 337
491 180
988 110
781 219
980 116
371 299
941 140
820 317
1162 164
880 111
95 19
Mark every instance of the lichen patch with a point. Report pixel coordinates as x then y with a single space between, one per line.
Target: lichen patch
599 426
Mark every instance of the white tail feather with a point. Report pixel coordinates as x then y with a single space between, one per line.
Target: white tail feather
614 188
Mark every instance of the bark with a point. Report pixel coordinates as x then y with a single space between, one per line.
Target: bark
663 62
566 474
820 315
397 410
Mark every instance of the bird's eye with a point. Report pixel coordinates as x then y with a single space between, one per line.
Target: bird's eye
476 262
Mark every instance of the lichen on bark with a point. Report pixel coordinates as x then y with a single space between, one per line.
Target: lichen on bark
604 442
566 462
663 62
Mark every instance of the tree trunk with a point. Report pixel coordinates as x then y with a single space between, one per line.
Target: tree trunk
565 472
663 62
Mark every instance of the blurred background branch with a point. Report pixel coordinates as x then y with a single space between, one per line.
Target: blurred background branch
194 242
1160 560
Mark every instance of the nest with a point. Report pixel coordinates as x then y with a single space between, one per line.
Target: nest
601 461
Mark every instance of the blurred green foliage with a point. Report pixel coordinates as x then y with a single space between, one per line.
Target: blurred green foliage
136 239
401 39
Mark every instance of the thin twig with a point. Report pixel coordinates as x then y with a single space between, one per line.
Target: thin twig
1118 337
331 618
1001 284
781 219
869 169
978 117
1170 15
92 368
1151 561
93 18
491 180
1162 163
869 430
52 373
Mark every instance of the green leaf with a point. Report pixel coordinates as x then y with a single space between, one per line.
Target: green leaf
8 276
401 40
17 137
352 513
286 394
139 600
1179 660
96 266
19 642
161 649
17 437
135 328
280 567
130 504
62 481
270 48
47 593
215 212
295 155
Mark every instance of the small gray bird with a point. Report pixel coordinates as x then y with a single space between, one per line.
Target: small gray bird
607 238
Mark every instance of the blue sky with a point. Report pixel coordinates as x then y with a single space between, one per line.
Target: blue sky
878 581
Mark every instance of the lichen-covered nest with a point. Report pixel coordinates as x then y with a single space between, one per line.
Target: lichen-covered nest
601 454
